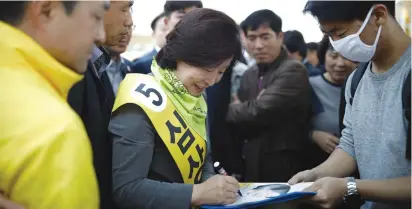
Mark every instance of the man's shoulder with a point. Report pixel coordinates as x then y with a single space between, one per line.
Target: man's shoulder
292 64
28 97
126 62
36 116
316 80
251 71
146 57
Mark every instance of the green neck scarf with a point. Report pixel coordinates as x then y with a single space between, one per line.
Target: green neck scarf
192 109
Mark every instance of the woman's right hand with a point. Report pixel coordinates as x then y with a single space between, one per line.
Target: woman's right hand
217 190
326 141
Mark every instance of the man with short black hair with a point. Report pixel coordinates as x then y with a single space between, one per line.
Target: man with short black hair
159 30
376 137
296 45
312 54
273 111
143 63
46 158
175 10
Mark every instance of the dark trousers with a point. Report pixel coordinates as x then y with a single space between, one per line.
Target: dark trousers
280 166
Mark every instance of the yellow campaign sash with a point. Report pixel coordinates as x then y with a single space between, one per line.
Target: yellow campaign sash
186 146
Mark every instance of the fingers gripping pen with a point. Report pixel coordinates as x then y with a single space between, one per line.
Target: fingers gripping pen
222 171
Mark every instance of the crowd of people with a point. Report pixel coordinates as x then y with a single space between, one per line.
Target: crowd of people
82 127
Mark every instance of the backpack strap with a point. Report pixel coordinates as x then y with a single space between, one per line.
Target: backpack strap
406 103
357 76
342 106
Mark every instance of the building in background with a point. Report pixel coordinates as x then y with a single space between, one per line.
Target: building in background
138 46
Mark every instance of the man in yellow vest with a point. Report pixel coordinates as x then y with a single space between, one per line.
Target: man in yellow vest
46 159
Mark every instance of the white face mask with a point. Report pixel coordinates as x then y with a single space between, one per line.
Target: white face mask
352 47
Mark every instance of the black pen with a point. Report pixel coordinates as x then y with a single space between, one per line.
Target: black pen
222 171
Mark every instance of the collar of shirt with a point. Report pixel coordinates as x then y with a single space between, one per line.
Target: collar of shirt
304 61
100 59
117 67
113 66
96 53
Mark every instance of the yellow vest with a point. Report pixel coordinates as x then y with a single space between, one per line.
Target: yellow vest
187 148
45 154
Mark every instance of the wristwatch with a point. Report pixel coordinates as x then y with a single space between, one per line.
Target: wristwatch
352 196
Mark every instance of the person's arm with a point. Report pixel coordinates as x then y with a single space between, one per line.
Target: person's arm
52 169
275 103
133 138
339 164
387 190
331 191
326 141
342 161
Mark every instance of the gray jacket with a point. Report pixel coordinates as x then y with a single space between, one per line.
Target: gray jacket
145 175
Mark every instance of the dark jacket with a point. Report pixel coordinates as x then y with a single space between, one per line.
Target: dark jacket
225 148
312 71
144 172
127 62
143 64
92 98
276 124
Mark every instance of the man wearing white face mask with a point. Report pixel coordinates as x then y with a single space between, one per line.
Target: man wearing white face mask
375 138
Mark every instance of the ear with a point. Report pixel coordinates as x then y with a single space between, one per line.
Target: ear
280 35
380 14
166 20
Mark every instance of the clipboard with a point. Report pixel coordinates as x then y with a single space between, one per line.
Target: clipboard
259 194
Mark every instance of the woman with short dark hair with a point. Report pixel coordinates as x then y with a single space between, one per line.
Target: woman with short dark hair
161 154
326 99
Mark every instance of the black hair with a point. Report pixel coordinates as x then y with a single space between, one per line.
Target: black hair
262 17
344 10
12 12
294 42
69 6
312 46
203 38
154 21
324 46
172 6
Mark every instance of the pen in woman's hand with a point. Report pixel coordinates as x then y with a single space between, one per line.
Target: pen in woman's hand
222 171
